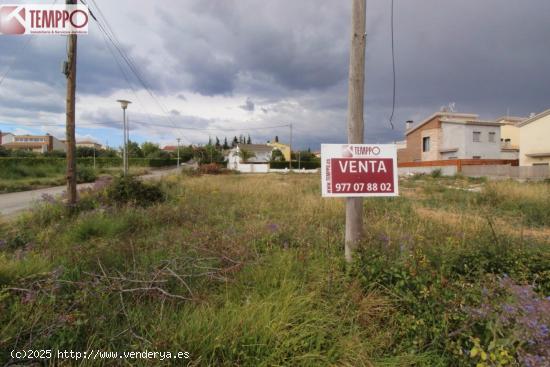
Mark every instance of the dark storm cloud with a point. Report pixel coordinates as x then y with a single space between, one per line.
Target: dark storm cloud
486 56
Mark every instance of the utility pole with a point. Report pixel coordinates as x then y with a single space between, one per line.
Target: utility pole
70 73
178 139
124 104
356 93
290 162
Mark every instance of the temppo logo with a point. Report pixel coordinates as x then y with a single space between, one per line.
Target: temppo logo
44 19
350 151
12 19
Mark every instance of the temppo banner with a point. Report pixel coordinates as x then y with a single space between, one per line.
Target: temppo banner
356 170
43 19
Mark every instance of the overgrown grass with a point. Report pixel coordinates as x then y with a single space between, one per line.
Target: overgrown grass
525 203
248 270
23 177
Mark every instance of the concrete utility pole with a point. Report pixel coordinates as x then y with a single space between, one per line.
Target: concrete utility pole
70 73
354 206
124 104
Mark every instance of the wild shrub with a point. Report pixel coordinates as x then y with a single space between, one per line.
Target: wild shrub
130 190
211 169
85 174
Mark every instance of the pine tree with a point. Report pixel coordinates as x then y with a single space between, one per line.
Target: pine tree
218 146
235 142
276 138
225 145
249 140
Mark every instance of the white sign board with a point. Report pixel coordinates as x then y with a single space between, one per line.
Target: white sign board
356 170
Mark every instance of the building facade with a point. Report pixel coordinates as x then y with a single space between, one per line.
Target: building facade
33 143
261 155
449 135
88 144
534 140
285 149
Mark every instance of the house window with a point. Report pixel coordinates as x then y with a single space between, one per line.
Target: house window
477 136
476 157
426 144
492 137
541 164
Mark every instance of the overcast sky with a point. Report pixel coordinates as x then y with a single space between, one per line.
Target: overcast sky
235 66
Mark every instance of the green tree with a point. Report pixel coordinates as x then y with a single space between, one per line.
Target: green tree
234 142
249 140
225 145
278 156
134 150
276 138
4 152
150 150
218 145
245 155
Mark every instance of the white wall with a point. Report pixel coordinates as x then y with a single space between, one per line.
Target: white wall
535 138
252 168
58 145
483 148
8 138
462 137
445 170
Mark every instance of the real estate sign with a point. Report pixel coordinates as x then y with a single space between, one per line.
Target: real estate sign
355 170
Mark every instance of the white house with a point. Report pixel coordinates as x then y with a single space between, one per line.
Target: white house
446 135
534 140
6 138
258 163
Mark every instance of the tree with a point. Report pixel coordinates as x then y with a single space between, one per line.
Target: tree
4 152
245 155
85 152
234 142
218 145
225 145
277 155
134 151
150 150
249 140
276 138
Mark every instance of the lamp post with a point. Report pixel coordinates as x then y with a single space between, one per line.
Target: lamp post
124 104
178 139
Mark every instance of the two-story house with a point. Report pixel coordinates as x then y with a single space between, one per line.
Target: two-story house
450 135
534 140
34 143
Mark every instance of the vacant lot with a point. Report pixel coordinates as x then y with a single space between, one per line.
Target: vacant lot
248 271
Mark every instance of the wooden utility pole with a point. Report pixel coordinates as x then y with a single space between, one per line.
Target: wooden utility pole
354 206
70 115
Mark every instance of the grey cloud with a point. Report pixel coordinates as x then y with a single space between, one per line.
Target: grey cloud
248 105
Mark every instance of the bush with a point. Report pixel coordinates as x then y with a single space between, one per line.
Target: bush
85 174
211 169
130 190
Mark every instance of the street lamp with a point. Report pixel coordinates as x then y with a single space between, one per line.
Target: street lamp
124 104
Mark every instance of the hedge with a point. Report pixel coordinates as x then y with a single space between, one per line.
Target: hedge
306 165
7 162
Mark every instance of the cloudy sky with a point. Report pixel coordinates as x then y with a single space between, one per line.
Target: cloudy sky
226 67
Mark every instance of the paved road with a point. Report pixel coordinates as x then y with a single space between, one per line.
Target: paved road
18 201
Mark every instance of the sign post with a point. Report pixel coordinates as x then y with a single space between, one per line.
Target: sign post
359 170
